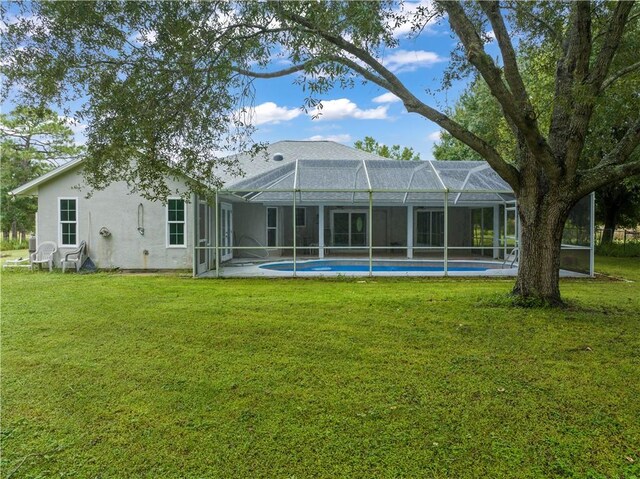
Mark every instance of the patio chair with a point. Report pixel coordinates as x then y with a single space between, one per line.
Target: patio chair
44 254
77 257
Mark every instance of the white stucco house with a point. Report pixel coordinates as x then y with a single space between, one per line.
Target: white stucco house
300 203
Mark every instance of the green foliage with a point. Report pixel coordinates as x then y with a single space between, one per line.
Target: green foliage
631 249
32 141
480 112
160 376
14 244
395 152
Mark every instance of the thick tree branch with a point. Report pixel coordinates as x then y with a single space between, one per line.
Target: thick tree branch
563 90
525 122
610 46
577 87
275 74
614 165
619 74
511 71
390 82
578 60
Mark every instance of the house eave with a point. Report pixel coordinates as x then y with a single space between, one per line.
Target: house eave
31 188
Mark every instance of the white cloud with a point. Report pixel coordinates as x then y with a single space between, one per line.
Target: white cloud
422 10
145 38
76 127
268 112
32 20
345 108
410 60
434 136
491 35
386 98
341 138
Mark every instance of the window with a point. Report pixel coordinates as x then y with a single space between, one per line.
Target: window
68 221
272 226
301 217
175 222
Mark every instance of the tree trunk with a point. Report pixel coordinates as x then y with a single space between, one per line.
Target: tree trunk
542 219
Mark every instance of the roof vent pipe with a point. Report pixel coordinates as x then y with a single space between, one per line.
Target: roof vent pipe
278 157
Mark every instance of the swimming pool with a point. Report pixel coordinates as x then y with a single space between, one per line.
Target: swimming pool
381 266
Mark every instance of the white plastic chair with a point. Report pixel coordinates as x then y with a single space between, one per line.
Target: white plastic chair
44 254
76 257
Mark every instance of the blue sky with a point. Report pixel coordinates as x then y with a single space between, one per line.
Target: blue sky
364 110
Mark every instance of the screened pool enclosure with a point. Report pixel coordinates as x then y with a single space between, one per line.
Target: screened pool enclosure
372 217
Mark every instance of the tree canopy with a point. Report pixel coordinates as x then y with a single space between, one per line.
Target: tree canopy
395 152
32 141
476 109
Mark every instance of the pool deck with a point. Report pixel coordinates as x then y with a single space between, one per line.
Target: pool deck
248 268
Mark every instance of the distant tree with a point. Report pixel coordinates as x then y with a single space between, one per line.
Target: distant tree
32 141
395 152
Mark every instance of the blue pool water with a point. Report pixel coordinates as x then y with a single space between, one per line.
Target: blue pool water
353 266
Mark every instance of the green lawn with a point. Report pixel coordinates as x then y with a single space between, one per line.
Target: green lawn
13 254
117 376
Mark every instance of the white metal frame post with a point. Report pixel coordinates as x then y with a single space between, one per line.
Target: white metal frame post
321 231
217 234
409 231
196 233
295 233
446 232
370 233
592 249
496 231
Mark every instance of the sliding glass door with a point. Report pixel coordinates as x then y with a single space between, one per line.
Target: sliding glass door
349 228
429 228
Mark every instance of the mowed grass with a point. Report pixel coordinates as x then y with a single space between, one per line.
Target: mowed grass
114 376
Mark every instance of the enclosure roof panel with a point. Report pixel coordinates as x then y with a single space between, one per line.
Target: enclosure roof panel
344 179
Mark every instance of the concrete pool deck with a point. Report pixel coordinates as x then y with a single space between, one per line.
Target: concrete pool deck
248 268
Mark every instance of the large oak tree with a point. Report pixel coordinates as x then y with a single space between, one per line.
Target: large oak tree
164 83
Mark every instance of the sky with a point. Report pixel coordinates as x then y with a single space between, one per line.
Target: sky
351 114
366 109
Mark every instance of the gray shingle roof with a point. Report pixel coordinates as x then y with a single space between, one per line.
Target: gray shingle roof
292 151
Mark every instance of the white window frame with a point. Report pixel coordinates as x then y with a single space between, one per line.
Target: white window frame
276 227
60 222
184 222
304 216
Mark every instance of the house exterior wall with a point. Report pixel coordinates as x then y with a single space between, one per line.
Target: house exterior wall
116 209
